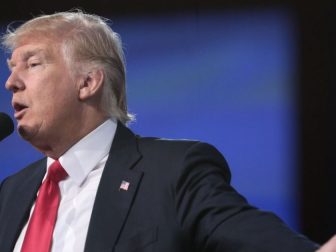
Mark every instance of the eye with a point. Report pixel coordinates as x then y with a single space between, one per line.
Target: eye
33 64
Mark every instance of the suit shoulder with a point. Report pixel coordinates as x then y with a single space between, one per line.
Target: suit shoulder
180 151
162 143
178 145
28 170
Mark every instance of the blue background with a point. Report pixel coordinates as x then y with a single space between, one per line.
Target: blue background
223 77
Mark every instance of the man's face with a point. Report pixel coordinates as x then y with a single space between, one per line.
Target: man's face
45 97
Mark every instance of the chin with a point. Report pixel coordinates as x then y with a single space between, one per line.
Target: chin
26 132
34 136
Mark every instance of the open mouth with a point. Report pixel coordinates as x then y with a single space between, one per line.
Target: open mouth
19 109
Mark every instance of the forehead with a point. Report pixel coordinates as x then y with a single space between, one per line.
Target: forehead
32 47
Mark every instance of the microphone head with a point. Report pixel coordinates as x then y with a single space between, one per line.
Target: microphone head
6 126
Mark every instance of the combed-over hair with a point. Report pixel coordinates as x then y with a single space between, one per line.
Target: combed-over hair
87 41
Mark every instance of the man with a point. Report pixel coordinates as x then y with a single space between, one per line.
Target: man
100 187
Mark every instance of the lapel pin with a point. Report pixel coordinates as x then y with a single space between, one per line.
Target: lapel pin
124 185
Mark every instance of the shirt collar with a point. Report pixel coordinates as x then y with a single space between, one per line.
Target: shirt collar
84 156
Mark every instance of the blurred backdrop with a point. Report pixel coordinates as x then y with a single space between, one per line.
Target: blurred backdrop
255 80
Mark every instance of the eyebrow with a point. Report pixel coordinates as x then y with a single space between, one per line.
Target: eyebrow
26 55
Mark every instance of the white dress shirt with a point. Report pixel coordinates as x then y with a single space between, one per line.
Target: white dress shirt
84 162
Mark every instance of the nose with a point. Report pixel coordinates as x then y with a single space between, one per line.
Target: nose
14 83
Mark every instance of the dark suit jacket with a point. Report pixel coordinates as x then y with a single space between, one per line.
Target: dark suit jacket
179 199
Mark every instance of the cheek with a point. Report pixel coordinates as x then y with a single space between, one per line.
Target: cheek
53 94
44 100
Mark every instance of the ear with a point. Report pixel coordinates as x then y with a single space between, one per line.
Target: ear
90 84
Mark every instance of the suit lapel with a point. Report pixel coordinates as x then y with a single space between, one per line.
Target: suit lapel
19 206
115 193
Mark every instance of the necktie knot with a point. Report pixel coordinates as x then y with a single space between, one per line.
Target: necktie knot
56 172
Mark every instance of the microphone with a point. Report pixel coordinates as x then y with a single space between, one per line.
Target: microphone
6 126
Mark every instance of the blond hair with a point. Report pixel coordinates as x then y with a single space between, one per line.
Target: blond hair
87 40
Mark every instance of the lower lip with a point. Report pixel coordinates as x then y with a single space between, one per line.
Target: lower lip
19 114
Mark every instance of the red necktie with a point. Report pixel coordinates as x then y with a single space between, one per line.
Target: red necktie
40 229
